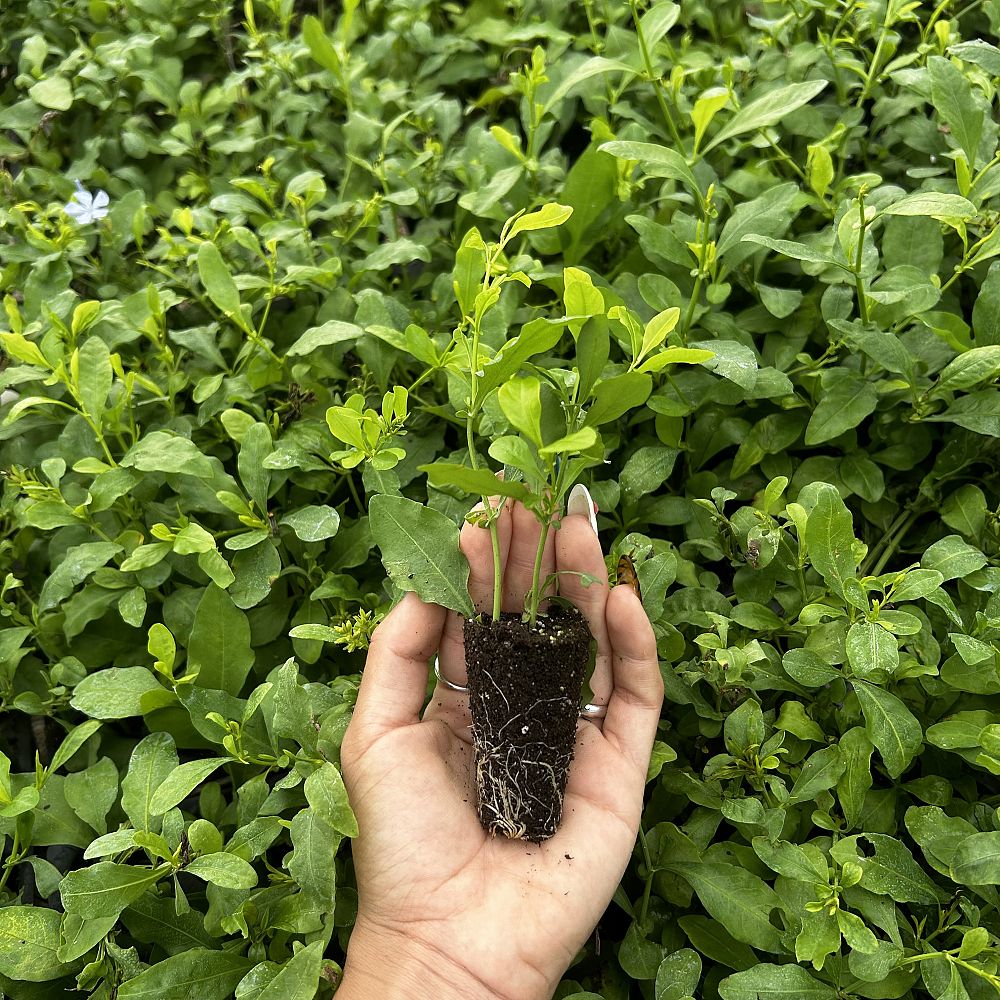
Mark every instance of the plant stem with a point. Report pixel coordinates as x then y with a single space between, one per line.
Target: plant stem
648 861
354 491
893 544
473 459
536 597
12 860
858 281
877 57
655 80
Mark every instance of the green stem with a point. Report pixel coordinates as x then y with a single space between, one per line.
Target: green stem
655 80
354 491
648 861
892 545
536 597
12 860
474 461
858 280
876 58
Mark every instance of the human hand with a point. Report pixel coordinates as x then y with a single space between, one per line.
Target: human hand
445 909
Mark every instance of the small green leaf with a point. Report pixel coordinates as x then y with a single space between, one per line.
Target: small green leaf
200 972
217 279
545 218
224 870
521 402
219 648
105 889
313 523
767 110
891 726
181 782
420 551
475 482
29 941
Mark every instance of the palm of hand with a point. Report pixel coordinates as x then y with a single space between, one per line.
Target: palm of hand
508 914
448 879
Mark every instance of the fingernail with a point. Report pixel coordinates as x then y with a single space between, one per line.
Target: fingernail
581 502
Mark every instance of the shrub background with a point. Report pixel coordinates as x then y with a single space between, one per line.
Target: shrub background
814 511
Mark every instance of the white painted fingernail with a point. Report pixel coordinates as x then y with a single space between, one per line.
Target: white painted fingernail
581 502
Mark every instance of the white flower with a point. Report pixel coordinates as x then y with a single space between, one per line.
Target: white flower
85 207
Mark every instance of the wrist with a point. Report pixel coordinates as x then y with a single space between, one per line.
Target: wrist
392 965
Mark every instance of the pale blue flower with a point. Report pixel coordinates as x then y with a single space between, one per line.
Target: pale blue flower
85 207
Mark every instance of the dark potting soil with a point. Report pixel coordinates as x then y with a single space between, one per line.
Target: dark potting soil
524 695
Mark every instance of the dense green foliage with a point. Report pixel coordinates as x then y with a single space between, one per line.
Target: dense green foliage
801 197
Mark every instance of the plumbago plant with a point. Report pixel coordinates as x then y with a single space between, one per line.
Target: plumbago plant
223 383
556 412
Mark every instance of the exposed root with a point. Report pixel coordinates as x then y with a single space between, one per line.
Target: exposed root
506 773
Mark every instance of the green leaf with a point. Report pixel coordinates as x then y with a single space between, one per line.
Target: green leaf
616 396
595 66
856 750
775 982
105 889
198 972
327 797
224 870
217 279
159 451
655 161
153 759
420 551
535 337
953 558
934 204
475 482
678 975
890 870
181 782
956 104
298 977
978 412
574 442
521 402
871 651
333 331
314 523
254 448
830 539
890 726
219 648
119 692
821 771
94 376
847 398
313 863
767 110
738 899
77 564
320 47
981 364
797 251
546 217
92 792
53 92
676 356
29 940
977 859
819 937
72 742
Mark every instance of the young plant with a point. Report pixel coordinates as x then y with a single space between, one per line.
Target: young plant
540 420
